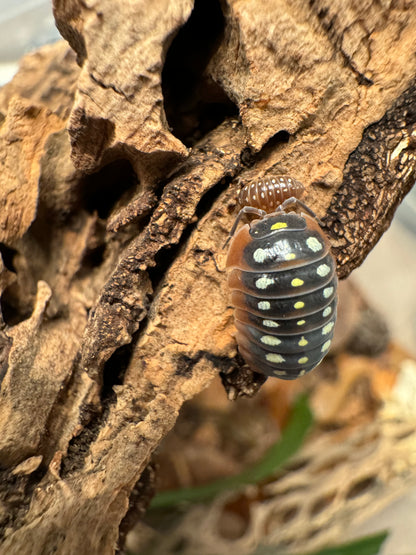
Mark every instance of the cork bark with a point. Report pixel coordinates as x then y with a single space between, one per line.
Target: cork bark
122 153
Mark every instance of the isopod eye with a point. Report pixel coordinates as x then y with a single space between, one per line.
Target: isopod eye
261 228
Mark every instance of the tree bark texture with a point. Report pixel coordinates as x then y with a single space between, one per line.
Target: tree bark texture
121 160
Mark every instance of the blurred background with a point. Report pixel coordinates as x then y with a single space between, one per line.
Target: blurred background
385 284
24 26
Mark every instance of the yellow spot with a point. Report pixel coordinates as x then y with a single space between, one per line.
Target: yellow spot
302 373
303 342
273 357
278 225
279 372
297 282
300 322
290 256
299 304
303 360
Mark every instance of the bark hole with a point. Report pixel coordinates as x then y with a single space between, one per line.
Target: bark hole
114 371
7 255
250 158
79 447
194 103
15 306
208 199
280 138
12 308
92 259
109 186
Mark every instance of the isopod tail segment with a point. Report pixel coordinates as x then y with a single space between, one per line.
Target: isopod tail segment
283 282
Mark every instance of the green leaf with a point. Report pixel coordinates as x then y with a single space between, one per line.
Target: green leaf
290 442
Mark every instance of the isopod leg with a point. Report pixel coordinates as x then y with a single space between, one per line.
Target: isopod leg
293 201
245 210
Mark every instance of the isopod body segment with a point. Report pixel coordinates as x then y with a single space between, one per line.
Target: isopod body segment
284 291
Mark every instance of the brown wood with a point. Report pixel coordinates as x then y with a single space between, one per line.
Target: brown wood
118 188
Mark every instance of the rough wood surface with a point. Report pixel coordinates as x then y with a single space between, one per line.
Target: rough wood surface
117 192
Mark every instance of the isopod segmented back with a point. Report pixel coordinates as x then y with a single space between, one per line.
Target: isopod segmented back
268 193
283 282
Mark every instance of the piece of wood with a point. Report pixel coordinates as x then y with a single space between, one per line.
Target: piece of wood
114 299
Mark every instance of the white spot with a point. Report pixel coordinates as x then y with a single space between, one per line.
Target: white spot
281 179
270 324
264 282
253 185
273 180
260 255
314 244
323 270
274 357
328 292
327 311
325 346
302 373
281 248
262 195
289 180
254 197
326 329
264 305
279 372
270 340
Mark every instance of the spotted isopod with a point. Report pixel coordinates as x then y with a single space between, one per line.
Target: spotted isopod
283 281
